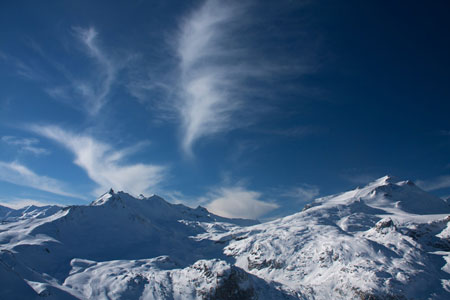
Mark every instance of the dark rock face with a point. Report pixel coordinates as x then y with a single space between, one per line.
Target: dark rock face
370 296
384 223
426 235
266 263
229 288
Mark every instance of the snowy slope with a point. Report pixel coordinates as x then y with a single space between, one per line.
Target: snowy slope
369 242
31 211
4 211
388 240
116 226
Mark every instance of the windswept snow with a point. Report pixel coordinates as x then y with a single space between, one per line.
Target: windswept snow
387 240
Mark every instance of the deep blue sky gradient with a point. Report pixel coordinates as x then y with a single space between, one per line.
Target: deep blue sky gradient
374 99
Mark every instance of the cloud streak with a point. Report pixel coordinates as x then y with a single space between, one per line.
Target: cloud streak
25 144
95 94
302 193
438 183
104 164
238 202
206 81
88 92
16 173
224 69
16 203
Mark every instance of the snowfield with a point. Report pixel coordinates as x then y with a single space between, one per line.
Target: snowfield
388 240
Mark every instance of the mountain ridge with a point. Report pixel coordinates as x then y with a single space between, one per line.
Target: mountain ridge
368 243
8 214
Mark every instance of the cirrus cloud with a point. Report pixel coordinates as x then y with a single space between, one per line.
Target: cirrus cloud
95 95
206 82
104 164
437 183
302 193
222 71
17 173
89 91
25 144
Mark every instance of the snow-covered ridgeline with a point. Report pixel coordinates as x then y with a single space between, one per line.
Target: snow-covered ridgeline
387 240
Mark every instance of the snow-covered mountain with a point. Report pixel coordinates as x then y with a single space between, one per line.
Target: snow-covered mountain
8 214
388 240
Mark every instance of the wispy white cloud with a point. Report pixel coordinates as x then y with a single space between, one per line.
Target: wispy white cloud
302 193
90 91
25 144
35 150
28 69
206 80
96 89
238 202
12 140
437 183
16 203
222 71
104 164
216 70
16 173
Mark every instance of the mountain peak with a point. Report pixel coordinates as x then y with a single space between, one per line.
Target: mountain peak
385 180
110 196
390 195
103 198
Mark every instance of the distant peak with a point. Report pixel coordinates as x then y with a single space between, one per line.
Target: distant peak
201 208
407 182
103 198
385 180
155 197
111 196
388 179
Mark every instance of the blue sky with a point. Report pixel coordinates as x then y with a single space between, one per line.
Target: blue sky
246 108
